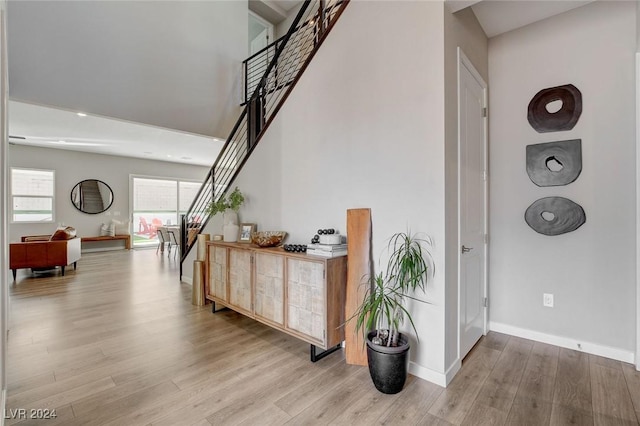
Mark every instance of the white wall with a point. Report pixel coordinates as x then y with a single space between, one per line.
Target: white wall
637 29
364 127
72 167
637 360
463 30
4 240
173 64
282 27
590 271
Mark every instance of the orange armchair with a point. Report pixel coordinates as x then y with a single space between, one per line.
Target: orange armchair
40 252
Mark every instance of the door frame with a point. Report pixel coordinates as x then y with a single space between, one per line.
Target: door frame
463 61
268 25
637 351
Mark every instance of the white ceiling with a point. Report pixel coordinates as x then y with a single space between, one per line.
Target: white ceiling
498 17
59 55
172 64
55 128
274 11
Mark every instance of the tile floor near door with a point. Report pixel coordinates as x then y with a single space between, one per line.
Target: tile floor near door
118 342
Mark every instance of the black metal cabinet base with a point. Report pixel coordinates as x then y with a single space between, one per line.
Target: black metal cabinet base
213 308
316 356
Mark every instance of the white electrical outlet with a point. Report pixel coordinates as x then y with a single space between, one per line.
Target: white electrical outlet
547 300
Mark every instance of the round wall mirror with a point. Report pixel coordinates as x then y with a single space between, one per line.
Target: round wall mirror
92 196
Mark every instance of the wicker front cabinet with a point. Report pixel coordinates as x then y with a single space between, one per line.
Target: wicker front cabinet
269 288
299 294
217 276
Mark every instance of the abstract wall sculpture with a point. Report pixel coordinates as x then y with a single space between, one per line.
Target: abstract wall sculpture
554 163
565 118
554 216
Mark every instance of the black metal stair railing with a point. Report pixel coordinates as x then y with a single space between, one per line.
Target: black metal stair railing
288 57
305 36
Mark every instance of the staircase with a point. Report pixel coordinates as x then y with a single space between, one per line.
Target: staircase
90 197
270 75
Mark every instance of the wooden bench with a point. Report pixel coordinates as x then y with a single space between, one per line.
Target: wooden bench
126 238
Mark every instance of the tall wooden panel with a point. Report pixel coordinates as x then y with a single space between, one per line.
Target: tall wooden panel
360 269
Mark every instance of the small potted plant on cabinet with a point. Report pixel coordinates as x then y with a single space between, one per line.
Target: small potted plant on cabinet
383 309
229 208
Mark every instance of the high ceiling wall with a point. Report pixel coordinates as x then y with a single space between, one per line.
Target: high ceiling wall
170 64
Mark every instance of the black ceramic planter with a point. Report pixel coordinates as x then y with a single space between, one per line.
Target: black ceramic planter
388 365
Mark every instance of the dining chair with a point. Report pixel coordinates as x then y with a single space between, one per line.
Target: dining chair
163 238
173 242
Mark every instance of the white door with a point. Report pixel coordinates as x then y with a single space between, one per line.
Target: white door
259 64
472 169
260 42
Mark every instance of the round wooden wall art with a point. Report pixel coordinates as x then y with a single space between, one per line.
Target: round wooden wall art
554 163
544 119
554 216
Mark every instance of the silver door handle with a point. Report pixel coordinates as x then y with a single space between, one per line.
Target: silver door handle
466 249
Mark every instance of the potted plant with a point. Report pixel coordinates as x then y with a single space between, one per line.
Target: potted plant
383 310
229 208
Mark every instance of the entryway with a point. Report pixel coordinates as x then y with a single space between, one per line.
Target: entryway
473 203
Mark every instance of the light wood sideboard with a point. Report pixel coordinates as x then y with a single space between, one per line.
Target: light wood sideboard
300 294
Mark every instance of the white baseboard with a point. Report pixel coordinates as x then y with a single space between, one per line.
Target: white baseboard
453 370
186 279
439 379
564 342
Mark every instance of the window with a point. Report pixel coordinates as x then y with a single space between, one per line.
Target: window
158 202
188 192
32 195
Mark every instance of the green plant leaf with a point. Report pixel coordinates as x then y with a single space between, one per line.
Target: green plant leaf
235 200
407 272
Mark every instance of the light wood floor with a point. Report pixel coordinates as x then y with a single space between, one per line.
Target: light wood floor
118 342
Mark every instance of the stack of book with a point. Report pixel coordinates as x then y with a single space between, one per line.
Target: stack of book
327 250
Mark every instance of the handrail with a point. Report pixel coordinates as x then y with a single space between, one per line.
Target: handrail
273 43
264 49
325 11
280 48
292 54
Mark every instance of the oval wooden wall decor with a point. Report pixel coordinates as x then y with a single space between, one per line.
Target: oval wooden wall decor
554 216
543 121
554 163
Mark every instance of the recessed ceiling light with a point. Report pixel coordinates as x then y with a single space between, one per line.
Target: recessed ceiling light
81 114
168 155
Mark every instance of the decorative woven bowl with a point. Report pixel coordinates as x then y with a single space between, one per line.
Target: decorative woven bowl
268 238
